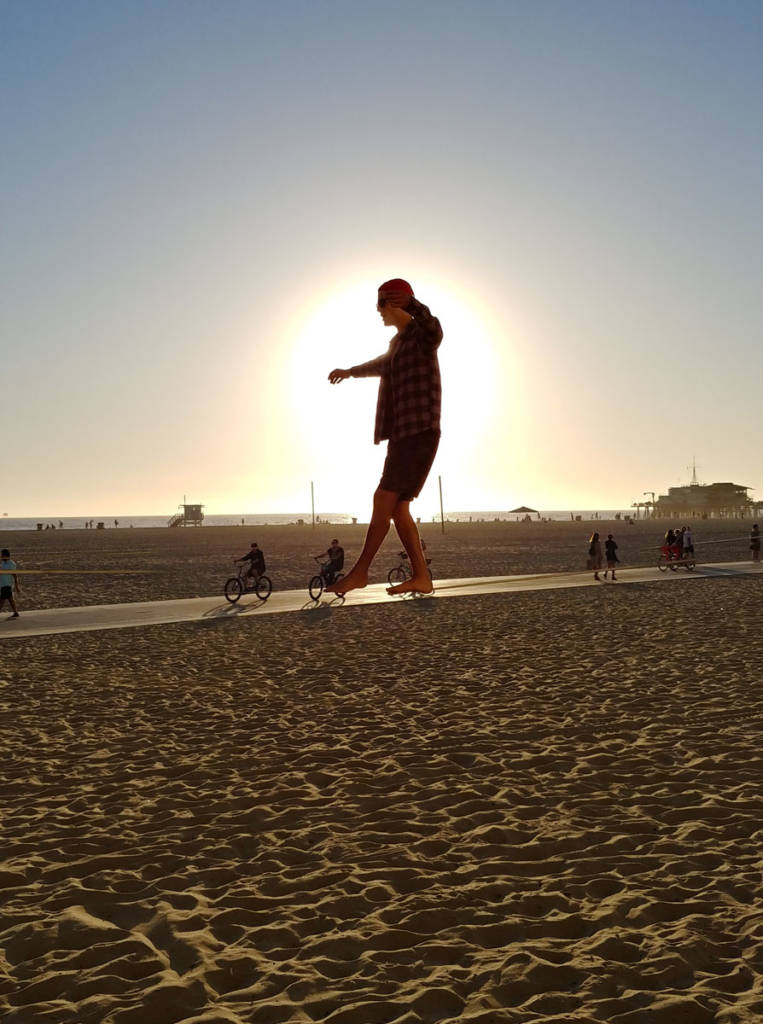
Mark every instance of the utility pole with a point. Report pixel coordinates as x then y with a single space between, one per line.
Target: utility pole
646 494
312 501
442 514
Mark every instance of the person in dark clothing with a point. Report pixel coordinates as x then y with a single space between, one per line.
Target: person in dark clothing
408 417
668 544
256 560
755 542
688 544
594 554
679 543
610 553
9 582
334 561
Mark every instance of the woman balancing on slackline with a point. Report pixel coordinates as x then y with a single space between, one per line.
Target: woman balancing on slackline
408 417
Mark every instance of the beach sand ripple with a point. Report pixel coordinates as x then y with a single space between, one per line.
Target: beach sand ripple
541 807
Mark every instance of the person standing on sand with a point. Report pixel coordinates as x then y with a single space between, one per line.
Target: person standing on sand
408 418
610 548
594 555
8 582
755 542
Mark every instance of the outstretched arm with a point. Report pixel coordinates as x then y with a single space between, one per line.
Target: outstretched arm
373 368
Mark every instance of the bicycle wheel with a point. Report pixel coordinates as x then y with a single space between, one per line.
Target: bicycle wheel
396 575
233 589
315 587
662 565
690 565
263 588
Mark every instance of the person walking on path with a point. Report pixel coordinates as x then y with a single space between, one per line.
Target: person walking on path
594 555
610 548
9 582
408 418
755 542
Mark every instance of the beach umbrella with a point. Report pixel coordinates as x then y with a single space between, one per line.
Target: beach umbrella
523 510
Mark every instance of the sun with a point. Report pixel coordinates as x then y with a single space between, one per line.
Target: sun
335 423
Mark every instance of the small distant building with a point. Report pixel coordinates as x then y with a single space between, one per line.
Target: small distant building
189 515
705 501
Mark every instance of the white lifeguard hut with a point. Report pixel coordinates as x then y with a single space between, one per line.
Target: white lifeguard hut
189 515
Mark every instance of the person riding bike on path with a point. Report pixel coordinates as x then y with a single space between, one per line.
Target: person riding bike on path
334 563
8 582
256 558
668 546
408 418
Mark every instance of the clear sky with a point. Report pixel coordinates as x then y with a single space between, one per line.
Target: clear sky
199 199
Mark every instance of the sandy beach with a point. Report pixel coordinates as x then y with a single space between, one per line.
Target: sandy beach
515 808
165 564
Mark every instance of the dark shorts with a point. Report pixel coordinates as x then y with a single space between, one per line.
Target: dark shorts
6 593
408 462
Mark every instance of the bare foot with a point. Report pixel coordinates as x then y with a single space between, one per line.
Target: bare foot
415 585
354 580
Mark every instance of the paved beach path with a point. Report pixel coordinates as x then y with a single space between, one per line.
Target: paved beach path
199 609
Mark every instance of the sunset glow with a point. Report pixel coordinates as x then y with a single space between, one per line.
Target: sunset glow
573 189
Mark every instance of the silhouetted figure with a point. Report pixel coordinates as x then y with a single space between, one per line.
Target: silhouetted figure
9 582
669 543
610 550
256 558
679 543
755 543
688 542
594 555
334 561
408 417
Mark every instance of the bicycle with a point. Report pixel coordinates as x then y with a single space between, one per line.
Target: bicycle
324 579
402 572
669 560
235 586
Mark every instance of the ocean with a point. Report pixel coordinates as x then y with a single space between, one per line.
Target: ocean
11 524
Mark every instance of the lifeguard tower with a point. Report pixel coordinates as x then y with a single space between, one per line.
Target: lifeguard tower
189 515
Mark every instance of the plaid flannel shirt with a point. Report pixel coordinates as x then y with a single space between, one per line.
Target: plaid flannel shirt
410 392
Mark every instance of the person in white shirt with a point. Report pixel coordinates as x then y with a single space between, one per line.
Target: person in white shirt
9 582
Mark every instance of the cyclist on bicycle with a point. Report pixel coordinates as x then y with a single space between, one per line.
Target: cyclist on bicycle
335 563
403 555
256 558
